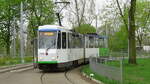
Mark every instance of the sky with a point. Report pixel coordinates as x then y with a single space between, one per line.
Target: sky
98 6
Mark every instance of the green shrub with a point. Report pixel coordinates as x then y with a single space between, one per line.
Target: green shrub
4 61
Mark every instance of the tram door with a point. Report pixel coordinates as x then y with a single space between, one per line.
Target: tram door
69 46
63 50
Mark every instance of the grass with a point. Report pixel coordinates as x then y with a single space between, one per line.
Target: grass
5 61
133 74
137 74
105 80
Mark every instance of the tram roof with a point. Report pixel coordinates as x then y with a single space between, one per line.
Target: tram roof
46 28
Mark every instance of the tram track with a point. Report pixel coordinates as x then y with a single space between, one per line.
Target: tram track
36 76
68 79
65 73
41 77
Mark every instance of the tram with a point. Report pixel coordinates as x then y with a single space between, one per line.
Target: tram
62 48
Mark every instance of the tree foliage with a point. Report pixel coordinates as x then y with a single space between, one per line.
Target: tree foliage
9 9
40 12
119 40
142 21
85 28
35 12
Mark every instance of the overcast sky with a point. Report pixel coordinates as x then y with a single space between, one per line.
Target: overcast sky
99 5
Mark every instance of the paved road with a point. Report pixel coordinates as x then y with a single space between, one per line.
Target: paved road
34 76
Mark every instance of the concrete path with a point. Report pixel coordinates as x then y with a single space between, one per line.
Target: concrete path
35 76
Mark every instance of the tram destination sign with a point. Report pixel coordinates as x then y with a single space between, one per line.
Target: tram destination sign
47 33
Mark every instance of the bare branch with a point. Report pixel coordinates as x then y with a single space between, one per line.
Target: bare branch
77 10
121 14
83 10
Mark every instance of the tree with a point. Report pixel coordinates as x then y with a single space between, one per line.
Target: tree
9 9
131 33
39 13
81 12
85 28
36 13
119 40
136 22
131 29
142 20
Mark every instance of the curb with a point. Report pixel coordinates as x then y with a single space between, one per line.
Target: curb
14 67
91 78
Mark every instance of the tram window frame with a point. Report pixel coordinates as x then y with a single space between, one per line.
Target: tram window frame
64 43
59 40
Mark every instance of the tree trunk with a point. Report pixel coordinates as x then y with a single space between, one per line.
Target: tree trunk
77 11
8 42
131 36
8 49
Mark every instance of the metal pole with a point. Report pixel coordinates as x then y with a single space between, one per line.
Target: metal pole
84 48
121 69
58 12
21 34
106 40
59 19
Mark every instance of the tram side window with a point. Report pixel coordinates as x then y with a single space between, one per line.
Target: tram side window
69 40
59 40
73 41
97 45
63 40
77 41
82 42
91 44
87 42
101 43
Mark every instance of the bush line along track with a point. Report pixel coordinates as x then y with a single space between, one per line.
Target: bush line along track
16 67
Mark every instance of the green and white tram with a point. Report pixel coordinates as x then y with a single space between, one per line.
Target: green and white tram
61 48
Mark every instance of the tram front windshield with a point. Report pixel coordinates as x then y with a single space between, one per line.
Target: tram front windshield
47 40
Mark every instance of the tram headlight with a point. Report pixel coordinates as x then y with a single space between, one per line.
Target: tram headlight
53 57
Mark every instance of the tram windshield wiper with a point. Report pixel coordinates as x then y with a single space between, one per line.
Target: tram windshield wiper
53 44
